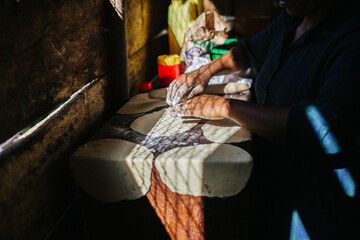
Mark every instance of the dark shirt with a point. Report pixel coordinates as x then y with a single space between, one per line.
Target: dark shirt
317 77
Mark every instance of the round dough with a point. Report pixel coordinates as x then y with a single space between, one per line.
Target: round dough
145 123
225 131
162 124
141 103
213 170
111 170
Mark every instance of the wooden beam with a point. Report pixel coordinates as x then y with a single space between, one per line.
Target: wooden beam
36 183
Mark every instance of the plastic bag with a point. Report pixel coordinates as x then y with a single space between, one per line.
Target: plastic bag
207 31
200 61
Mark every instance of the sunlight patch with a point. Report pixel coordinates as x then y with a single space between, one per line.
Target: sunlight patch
117 4
346 180
297 231
322 130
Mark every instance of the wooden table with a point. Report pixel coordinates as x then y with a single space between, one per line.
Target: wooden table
180 165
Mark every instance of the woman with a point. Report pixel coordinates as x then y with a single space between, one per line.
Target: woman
305 123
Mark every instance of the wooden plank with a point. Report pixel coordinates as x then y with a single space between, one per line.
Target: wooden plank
144 20
48 51
36 182
143 64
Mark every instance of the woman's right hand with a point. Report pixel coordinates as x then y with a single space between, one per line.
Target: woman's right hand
188 85
191 84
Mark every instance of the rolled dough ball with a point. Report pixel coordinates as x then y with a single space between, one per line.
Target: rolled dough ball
162 124
141 103
213 170
225 131
111 170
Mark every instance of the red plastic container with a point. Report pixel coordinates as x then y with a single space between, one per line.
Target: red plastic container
168 69
145 86
167 74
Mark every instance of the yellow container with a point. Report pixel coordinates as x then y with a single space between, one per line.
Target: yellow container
180 17
168 60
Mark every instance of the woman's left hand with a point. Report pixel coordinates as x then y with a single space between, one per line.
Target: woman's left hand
203 106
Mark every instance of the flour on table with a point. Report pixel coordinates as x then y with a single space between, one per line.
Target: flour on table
213 170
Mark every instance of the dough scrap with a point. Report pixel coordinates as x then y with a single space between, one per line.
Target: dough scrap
212 170
111 170
141 103
162 124
225 131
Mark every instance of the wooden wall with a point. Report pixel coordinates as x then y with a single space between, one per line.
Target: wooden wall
48 51
36 183
145 19
51 52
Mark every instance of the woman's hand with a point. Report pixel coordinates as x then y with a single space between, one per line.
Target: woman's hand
204 106
191 84
188 85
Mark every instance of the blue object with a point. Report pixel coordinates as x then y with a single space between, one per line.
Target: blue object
297 230
346 180
322 130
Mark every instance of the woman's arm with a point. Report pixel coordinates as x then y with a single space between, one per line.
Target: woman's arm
268 122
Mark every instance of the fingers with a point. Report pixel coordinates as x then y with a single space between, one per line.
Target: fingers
179 94
176 90
176 94
196 91
203 106
175 111
181 109
170 92
193 83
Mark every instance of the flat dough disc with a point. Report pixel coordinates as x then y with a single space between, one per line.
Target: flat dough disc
111 170
145 123
141 103
162 124
213 170
225 131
